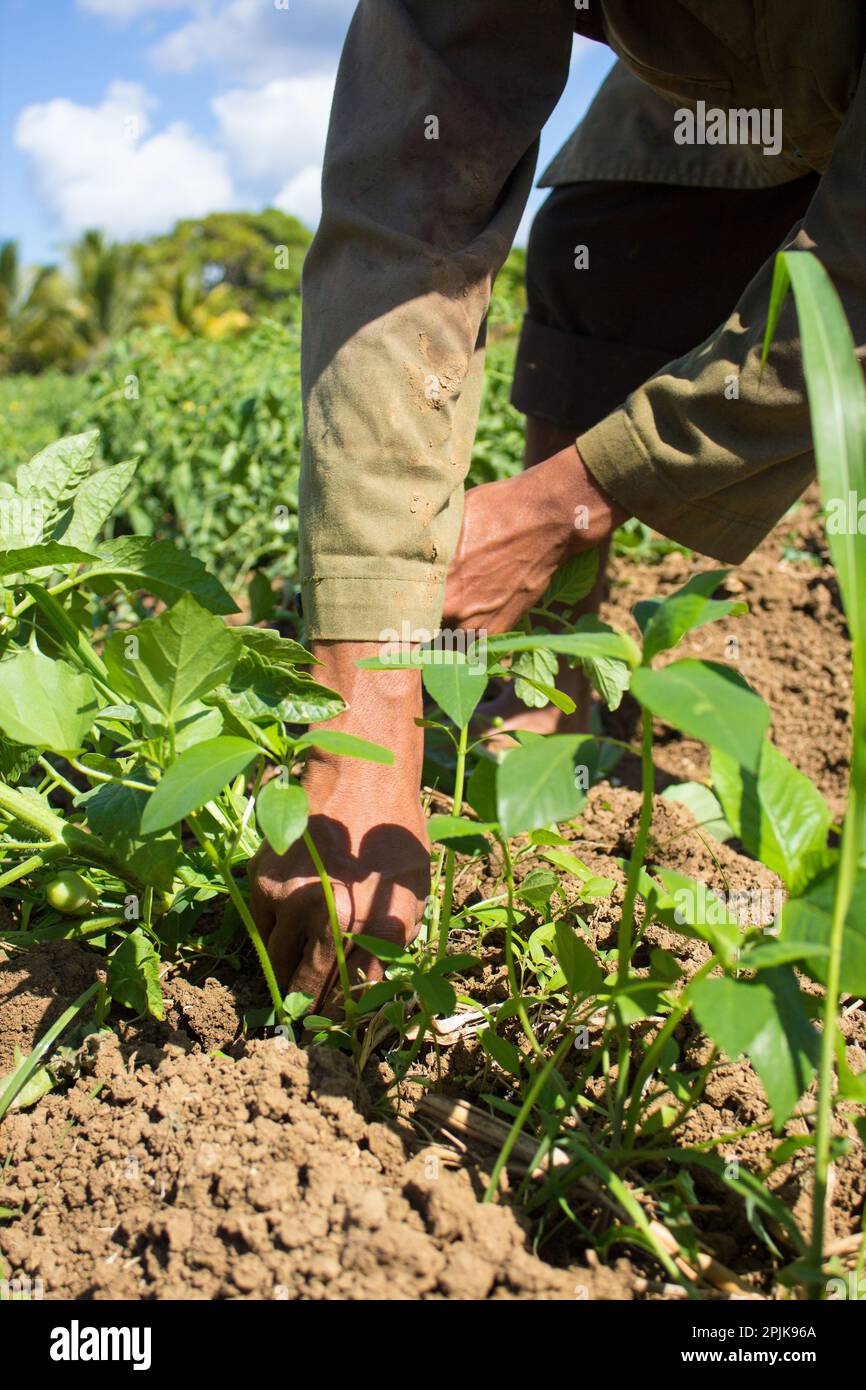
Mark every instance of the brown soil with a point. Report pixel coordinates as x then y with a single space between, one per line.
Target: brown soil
792 646
189 1177
183 1164
734 1098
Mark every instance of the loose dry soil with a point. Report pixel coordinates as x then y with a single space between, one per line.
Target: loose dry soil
183 1164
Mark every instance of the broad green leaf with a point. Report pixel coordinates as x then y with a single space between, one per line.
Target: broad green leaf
537 888
233 723
457 964
266 693
165 663
195 778
382 949
591 885
764 955
15 760
114 813
688 906
135 562
665 965
197 722
764 1019
597 887
611 679
45 703
550 695
54 474
778 814
282 810
460 833
455 684
809 918
579 966
296 1004
570 863
481 789
704 806
637 1000
379 994
133 975
36 557
541 668
279 651
549 837
262 597
589 638
573 580
501 1050
665 622
438 995
707 701
346 745
536 784
94 504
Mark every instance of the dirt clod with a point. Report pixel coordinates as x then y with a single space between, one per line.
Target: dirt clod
202 1177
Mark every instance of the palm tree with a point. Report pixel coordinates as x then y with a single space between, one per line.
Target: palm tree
108 281
42 323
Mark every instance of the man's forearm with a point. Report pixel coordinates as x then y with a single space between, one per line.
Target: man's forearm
714 449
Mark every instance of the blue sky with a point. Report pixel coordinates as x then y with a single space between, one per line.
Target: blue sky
128 114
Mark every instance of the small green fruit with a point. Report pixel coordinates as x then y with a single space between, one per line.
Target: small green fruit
69 892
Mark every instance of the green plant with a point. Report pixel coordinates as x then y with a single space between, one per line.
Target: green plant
746 996
146 750
830 911
125 744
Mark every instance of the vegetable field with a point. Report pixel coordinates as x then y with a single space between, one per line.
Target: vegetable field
625 1057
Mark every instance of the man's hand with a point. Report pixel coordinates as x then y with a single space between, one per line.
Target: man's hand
516 534
367 825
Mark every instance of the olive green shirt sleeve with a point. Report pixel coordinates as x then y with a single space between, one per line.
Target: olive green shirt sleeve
430 157
711 451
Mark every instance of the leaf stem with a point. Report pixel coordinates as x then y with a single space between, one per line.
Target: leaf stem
328 890
224 869
625 932
680 1008
541 1075
509 952
451 857
849 856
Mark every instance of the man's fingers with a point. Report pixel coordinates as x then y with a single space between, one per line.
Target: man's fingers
285 948
301 940
398 929
362 965
314 970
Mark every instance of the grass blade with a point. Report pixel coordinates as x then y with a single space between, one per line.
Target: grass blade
29 1065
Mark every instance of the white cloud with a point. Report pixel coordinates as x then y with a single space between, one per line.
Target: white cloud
273 132
256 40
302 195
99 166
122 11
